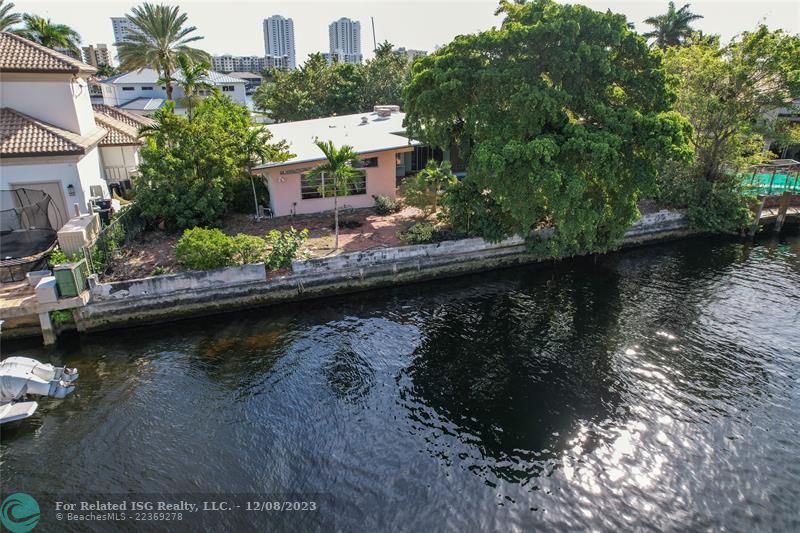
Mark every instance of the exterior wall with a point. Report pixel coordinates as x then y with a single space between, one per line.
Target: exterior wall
284 189
91 173
114 95
53 98
29 172
119 156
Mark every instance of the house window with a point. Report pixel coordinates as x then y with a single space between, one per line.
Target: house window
127 88
322 187
227 88
147 88
369 162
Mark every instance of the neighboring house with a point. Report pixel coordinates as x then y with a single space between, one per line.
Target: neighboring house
49 139
379 140
252 79
138 91
119 150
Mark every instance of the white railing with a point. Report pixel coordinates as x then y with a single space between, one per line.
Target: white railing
117 174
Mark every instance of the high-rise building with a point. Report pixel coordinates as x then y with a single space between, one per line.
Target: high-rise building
228 63
279 38
122 27
96 55
344 37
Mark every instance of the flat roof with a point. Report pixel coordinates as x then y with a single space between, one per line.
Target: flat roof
373 135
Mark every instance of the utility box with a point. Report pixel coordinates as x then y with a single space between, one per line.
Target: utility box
47 290
77 233
71 278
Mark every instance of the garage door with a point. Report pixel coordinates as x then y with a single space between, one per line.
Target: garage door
57 213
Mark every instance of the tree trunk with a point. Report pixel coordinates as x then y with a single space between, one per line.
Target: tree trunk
168 85
336 212
255 196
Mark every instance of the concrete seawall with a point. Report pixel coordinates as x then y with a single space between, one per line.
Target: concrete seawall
174 296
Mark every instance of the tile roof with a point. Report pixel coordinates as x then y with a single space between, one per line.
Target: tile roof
24 136
21 55
150 76
123 127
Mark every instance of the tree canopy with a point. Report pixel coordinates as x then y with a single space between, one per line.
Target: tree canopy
191 170
43 31
8 17
673 27
560 114
730 95
317 89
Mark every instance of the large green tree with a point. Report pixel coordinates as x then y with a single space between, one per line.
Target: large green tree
8 17
730 95
314 90
560 114
318 89
43 31
158 38
190 170
673 27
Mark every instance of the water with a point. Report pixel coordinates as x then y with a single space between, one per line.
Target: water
657 388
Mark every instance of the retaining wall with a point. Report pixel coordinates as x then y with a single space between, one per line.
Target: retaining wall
195 293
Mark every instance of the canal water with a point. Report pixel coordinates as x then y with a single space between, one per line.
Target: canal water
657 388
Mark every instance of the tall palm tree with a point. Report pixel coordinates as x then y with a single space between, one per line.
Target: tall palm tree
673 27
339 168
193 78
156 40
7 18
43 31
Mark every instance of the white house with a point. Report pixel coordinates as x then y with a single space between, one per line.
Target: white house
119 150
49 139
139 92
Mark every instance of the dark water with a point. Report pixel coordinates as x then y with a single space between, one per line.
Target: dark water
653 389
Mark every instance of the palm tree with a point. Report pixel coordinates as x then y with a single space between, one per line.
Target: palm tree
156 41
436 177
673 27
41 30
8 19
339 167
193 78
105 71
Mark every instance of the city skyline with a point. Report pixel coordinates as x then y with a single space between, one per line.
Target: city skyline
401 23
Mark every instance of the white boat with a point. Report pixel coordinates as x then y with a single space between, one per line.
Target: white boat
23 376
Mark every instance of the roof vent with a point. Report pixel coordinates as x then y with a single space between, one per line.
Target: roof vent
385 110
364 121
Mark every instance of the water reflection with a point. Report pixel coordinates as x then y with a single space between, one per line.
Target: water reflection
653 389
515 372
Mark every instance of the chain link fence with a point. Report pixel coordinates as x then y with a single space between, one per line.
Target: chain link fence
123 228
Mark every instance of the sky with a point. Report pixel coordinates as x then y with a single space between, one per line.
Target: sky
234 26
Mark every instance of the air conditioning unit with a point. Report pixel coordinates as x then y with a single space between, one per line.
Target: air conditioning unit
71 278
78 232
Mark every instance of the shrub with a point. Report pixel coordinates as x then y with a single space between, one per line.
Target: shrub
248 249
58 257
61 317
283 247
419 233
385 205
204 249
